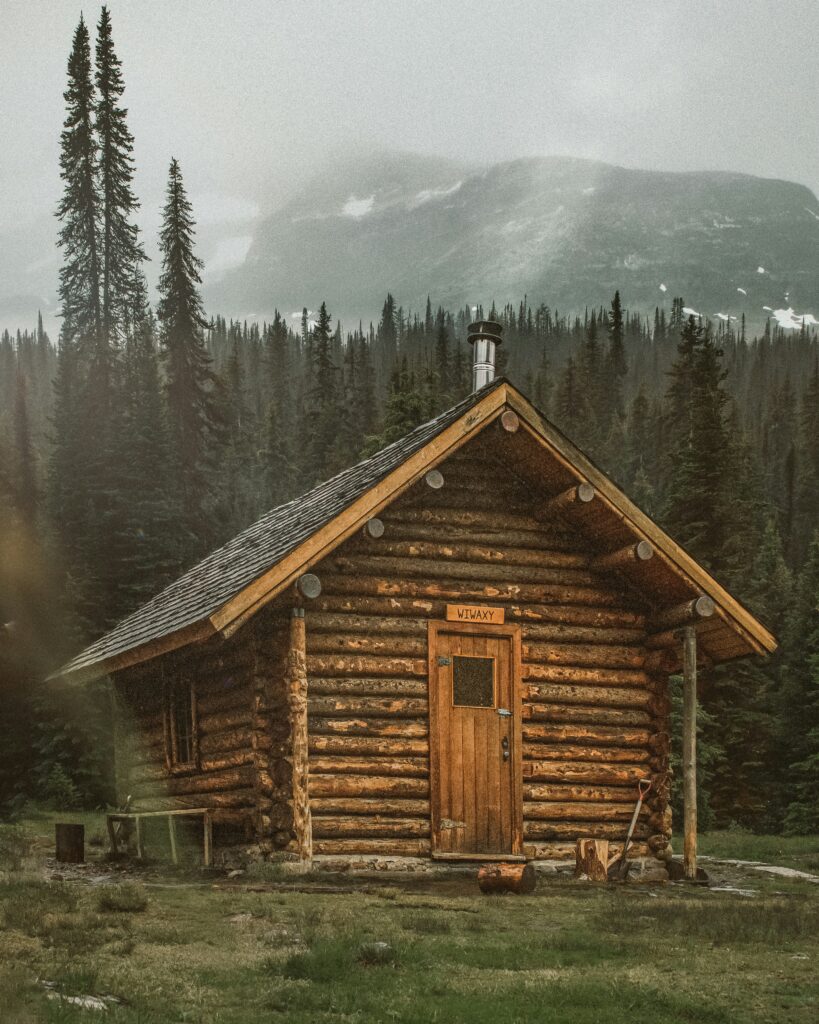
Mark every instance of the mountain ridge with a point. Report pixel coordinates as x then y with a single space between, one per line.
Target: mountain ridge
564 230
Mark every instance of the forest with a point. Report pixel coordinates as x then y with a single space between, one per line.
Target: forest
152 431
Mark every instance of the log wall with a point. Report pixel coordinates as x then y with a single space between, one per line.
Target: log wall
595 719
244 765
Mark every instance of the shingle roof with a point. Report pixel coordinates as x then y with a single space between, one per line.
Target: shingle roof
225 572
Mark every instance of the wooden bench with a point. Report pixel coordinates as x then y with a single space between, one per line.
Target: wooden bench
137 816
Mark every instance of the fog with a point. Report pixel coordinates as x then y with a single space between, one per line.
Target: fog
252 96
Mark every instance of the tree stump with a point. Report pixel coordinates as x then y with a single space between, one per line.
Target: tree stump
502 877
70 843
591 859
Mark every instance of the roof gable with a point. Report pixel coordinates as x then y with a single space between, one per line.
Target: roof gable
230 585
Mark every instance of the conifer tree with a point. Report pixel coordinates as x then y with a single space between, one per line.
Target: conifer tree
27 491
322 407
193 421
120 250
78 209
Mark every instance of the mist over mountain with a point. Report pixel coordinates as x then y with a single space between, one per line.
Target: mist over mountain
562 230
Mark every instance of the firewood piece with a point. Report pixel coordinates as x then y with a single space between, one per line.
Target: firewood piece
69 843
592 859
642 551
576 496
502 877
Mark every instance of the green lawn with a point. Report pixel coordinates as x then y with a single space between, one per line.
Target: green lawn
177 948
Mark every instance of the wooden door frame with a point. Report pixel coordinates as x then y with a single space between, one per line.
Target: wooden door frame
512 632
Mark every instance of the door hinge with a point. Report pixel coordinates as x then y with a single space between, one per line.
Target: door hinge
443 661
504 712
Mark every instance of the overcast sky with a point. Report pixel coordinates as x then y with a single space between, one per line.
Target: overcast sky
249 94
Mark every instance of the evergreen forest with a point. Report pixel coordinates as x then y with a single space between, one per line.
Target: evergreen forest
152 430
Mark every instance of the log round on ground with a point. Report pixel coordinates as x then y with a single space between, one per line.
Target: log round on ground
502 877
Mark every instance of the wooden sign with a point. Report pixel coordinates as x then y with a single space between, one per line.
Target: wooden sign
473 613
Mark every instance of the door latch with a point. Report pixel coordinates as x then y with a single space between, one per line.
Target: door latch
505 748
504 712
443 661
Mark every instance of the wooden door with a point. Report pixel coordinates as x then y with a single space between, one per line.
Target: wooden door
475 741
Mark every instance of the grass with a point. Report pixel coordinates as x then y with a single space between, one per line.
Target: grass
800 852
411 951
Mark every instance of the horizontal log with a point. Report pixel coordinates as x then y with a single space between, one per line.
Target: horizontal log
224 721
595 696
473 591
446 532
376 686
585 674
367 847
380 806
570 633
576 713
576 732
380 643
225 742
178 785
369 706
595 655
536 751
477 553
371 827
235 798
623 558
411 767
483 572
535 612
535 810
568 793
370 745
584 773
365 786
219 762
701 607
364 665
399 727
574 497
355 622
579 830
566 850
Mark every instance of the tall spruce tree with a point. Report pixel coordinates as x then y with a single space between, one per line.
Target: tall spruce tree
321 424
78 209
193 420
120 250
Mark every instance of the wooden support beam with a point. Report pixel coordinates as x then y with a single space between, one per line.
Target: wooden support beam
684 614
207 851
172 837
574 497
632 554
297 701
689 751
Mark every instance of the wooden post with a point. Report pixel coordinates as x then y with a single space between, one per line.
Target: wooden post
297 699
689 752
172 837
207 827
140 851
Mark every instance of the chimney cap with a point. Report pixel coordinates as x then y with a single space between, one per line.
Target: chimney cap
489 329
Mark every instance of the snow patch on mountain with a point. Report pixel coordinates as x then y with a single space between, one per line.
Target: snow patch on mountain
355 207
790 320
428 194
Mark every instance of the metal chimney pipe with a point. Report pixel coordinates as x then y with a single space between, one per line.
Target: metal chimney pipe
484 335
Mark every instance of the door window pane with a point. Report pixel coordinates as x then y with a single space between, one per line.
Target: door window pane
473 682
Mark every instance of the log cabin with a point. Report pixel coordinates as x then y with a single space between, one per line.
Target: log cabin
458 649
